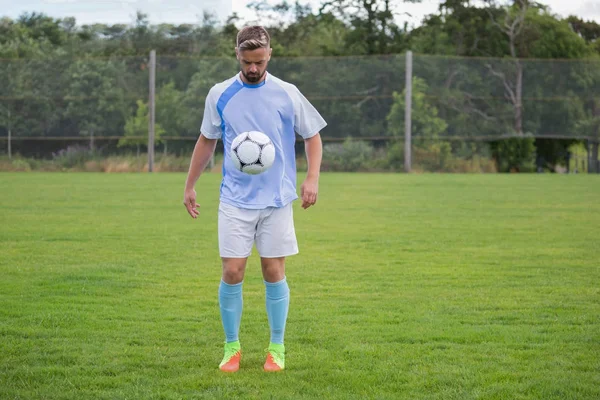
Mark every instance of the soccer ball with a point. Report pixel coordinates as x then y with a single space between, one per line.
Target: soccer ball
252 152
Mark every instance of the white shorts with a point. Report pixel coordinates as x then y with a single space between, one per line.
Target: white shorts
272 229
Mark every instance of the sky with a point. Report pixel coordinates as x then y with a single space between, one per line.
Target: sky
185 11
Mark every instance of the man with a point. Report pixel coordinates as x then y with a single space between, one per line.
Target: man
257 209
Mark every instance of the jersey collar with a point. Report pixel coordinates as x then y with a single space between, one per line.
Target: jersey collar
249 86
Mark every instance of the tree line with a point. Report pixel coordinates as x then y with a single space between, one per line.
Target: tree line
487 71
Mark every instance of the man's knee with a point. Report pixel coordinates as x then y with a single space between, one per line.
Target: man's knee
233 270
273 269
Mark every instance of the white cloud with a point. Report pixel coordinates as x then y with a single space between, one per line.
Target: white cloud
58 1
186 11
590 9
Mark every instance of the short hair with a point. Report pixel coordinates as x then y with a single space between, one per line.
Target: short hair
252 38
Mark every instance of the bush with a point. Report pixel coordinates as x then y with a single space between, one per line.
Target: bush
515 154
395 156
434 157
351 155
82 160
17 164
441 157
73 156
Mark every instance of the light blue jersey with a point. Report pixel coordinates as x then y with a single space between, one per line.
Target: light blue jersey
277 109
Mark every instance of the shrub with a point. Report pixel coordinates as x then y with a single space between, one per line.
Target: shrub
351 155
515 154
440 157
73 156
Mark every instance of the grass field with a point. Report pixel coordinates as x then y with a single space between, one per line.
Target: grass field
406 287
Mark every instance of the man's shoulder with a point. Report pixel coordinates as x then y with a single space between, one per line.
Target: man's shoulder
217 89
287 86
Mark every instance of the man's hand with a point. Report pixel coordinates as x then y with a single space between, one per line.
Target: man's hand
189 201
309 191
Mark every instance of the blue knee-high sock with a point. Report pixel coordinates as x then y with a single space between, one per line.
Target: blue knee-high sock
278 302
230 303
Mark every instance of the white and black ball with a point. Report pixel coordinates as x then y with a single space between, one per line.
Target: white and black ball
252 152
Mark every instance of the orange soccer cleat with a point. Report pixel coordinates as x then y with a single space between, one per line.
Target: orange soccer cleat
275 358
231 359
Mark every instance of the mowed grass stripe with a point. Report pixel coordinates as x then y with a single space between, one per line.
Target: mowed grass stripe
407 286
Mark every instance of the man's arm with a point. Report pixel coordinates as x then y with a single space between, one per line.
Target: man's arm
314 154
200 157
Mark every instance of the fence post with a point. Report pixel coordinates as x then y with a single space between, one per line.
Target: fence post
407 113
590 161
9 137
151 109
595 157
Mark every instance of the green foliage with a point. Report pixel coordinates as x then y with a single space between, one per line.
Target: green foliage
545 36
588 30
372 26
15 164
169 110
65 79
73 156
96 100
578 160
315 35
460 29
441 156
395 155
81 159
136 128
351 155
208 73
515 154
425 123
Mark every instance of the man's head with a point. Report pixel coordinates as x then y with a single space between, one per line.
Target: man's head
253 51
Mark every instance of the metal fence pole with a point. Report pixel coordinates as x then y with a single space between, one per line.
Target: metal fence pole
9 137
595 157
151 110
590 161
407 113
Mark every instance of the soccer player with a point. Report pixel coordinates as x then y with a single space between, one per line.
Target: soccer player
256 209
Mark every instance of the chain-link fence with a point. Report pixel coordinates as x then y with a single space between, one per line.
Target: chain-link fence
465 114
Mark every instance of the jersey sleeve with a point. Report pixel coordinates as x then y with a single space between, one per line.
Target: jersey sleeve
307 120
211 122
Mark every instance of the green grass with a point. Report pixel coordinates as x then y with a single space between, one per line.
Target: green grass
406 287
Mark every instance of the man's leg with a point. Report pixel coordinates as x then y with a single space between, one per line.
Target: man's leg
236 236
230 305
276 240
230 296
277 302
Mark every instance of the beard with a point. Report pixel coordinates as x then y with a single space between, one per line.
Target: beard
253 77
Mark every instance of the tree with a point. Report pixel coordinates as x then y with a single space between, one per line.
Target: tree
426 125
169 109
587 30
10 120
512 26
43 28
209 72
95 98
315 35
373 28
460 29
136 129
